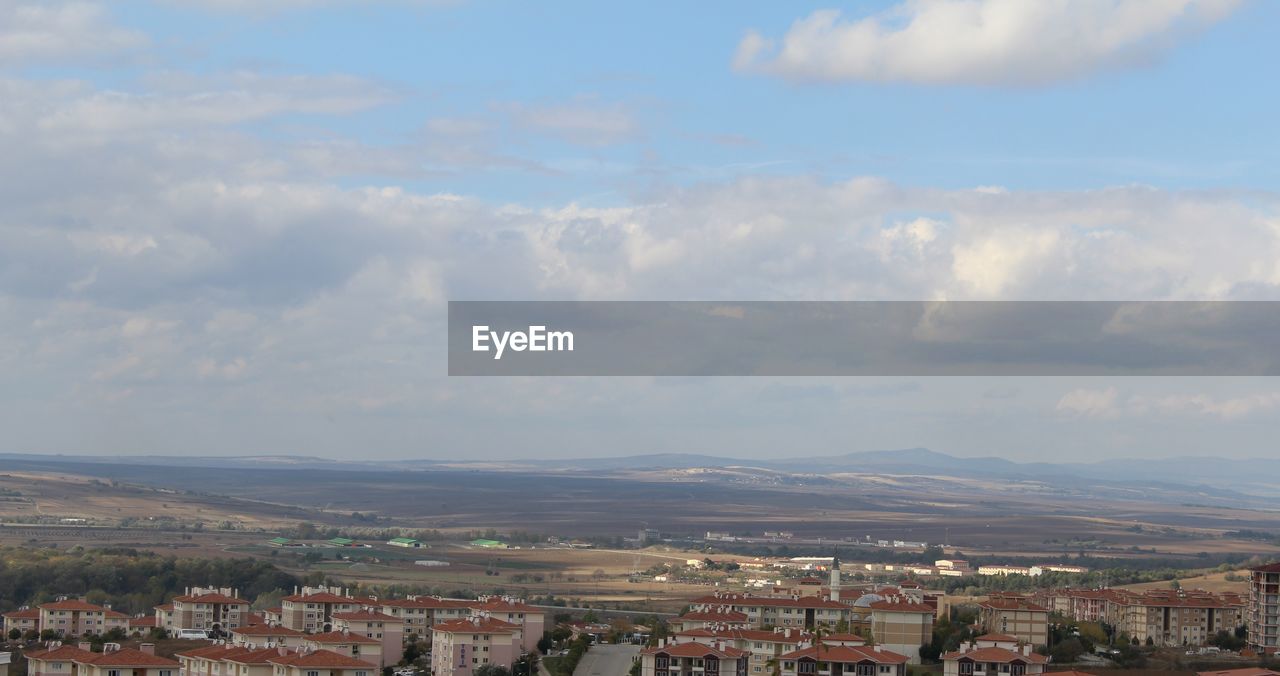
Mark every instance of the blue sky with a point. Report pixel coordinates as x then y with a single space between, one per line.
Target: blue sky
230 227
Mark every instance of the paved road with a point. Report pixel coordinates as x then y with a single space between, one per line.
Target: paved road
607 660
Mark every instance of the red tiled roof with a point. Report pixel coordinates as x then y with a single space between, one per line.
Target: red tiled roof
366 616
320 658
1011 604
64 652
340 637
426 602
28 614
902 606
144 621
847 654
747 635
1269 568
259 656
996 655
695 649
212 652
713 616
1000 638
486 625
320 597
128 657
266 630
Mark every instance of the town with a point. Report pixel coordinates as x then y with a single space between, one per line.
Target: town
822 624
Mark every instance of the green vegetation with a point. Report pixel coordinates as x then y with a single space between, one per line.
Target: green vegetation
130 580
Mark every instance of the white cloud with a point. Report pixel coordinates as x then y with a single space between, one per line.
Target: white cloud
60 31
583 121
1090 403
980 42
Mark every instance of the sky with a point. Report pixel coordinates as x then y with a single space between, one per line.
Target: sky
230 227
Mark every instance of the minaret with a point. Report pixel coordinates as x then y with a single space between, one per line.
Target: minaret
835 579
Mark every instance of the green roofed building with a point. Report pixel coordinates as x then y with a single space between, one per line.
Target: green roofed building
342 542
405 542
279 542
488 544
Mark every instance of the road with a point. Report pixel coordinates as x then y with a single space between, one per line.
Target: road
607 660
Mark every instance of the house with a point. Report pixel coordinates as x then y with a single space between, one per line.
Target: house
693 659
141 625
993 655
409 543
843 660
459 647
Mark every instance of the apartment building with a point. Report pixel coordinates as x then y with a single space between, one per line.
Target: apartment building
1165 617
767 611
532 621
420 613
387 630
312 608
74 617
706 619
267 635
66 660
694 659
1015 616
902 625
319 663
993 655
844 660
24 619
764 646
347 643
458 647
209 660
1264 608
207 609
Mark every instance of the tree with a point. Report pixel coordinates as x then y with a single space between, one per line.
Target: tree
492 670
545 643
1067 651
15 634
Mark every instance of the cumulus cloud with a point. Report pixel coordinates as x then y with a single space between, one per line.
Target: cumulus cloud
1109 403
61 31
980 42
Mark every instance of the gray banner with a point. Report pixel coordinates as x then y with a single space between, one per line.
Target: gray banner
583 338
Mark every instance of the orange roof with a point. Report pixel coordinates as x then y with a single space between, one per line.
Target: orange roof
128 657
320 597
340 637
28 614
847 654
996 655
366 616
747 635
70 604
259 656
266 630
487 625
1000 638
713 616
426 602
1011 604
1269 568
695 649
902 606
212 652
64 652
320 658
144 621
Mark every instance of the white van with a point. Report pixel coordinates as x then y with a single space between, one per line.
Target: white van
192 633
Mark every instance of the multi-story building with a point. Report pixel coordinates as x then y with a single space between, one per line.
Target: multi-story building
532 621
74 617
693 659
902 626
993 656
23 619
1264 608
1015 616
267 635
787 611
347 643
206 609
312 608
420 613
706 619
66 660
765 646
388 630
843 660
210 660
318 663
1166 618
459 647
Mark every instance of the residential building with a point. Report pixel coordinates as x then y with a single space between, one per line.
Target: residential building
387 630
66 660
210 609
1163 617
267 635
319 663
703 619
347 643
1015 616
458 647
844 660
1264 608
532 621
770 611
24 619
420 613
902 625
693 659
993 656
312 608
765 646
74 617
